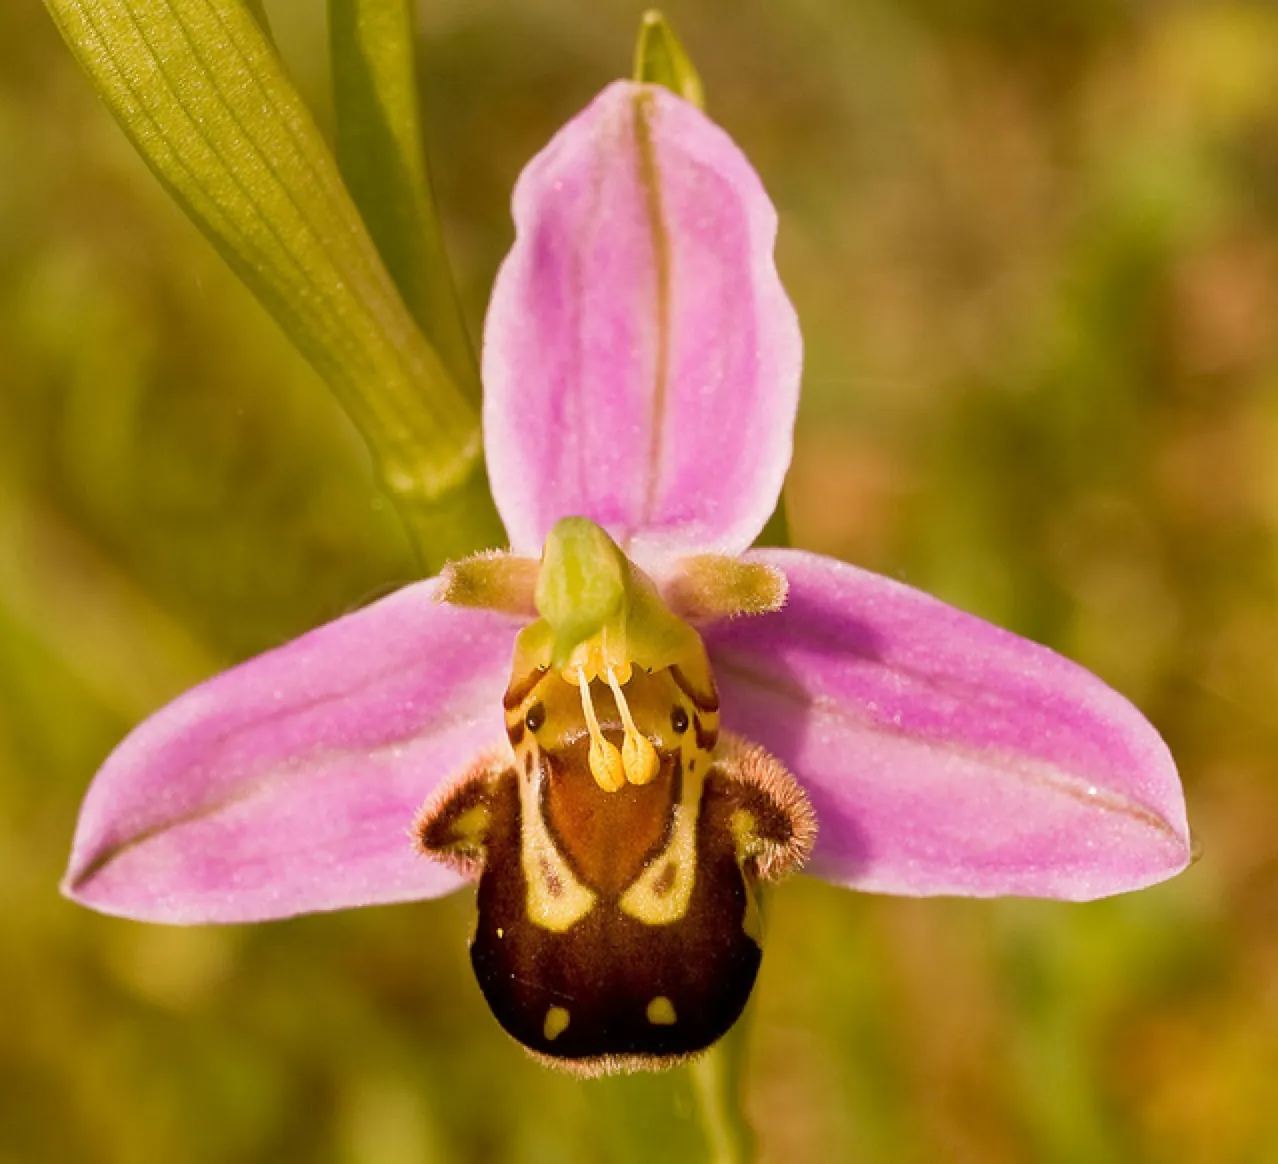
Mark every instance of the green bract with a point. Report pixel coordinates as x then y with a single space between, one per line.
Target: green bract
660 59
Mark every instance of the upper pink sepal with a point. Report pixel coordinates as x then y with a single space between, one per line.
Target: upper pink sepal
641 359
290 783
942 754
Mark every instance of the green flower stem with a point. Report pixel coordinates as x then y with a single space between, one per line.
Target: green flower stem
382 156
717 1079
644 1117
202 94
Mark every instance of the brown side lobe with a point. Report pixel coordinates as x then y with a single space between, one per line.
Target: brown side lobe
454 826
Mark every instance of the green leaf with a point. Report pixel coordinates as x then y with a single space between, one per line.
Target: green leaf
198 88
383 159
661 60
257 9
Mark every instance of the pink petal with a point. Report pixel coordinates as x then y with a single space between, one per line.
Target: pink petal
942 754
290 783
641 359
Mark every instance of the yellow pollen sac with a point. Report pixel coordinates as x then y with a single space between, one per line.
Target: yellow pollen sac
638 756
606 764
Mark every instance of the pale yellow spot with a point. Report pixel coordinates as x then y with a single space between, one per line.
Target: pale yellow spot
500 932
661 1012
745 833
557 1020
472 825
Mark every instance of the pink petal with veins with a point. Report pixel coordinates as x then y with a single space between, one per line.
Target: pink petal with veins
641 359
942 754
289 783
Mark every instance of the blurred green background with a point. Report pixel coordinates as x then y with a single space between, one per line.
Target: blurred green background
1035 252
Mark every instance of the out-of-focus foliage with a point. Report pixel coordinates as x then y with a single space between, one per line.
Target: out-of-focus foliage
1035 251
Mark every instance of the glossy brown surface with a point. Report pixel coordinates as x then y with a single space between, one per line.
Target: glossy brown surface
607 970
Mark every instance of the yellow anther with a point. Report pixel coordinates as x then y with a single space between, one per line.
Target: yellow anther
606 765
638 756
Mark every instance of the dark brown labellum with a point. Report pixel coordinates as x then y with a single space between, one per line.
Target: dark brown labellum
619 929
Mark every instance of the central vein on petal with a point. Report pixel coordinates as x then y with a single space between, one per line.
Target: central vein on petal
1015 766
650 178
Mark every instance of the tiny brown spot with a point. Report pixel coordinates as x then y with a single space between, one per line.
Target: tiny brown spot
664 881
515 732
550 879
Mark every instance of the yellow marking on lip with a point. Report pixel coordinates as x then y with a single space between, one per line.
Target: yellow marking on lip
745 832
661 1012
472 824
557 1020
556 900
653 898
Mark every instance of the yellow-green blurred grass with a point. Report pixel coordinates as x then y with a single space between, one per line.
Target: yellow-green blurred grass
1035 252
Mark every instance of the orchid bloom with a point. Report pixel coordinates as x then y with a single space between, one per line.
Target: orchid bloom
682 712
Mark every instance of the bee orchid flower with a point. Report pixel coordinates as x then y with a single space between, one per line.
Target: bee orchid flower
627 723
